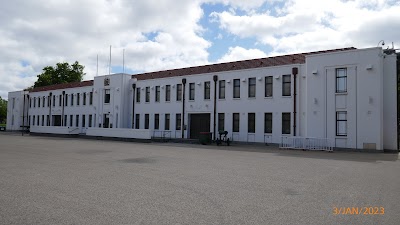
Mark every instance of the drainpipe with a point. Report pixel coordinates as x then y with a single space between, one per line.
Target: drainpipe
215 78
295 71
133 105
50 102
183 108
62 117
27 112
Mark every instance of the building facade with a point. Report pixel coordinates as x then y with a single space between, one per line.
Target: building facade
346 95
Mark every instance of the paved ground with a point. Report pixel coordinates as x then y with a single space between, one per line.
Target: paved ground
75 181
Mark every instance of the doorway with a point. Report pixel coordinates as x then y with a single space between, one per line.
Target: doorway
199 123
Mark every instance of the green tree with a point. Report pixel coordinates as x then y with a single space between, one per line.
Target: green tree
61 73
3 110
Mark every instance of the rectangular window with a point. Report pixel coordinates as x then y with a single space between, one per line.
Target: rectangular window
147 94
30 103
268 86
84 98
54 100
286 85
178 121
37 119
221 122
138 94
268 123
12 120
30 121
34 102
156 121
72 99
157 97
77 121
341 123
48 101
83 120
91 98
38 102
236 121
59 100
66 100
221 89
236 88
341 80
179 92
106 120
44 101
65 120
251 123
33 121
78 98
90 119
285 123
191 91
252 87
42 120
207 90
71 119
107 96
167 93
137 121
166 122
146 121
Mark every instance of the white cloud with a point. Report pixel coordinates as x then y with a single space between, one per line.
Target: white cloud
238 53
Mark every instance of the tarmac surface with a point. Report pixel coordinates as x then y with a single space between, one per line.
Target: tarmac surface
47 180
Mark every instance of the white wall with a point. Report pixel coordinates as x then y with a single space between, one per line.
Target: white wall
16 112
119 132
389 103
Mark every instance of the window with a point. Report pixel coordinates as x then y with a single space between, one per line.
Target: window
107 96
54 100
71 119
341 80
33 121
286 85
147 94
251 123
44 101
90 119
34 102
84 98
252 87
178 121
29 120
167 93
48 120
146 121
66 100
59 100
78 99
166 122
236 88
106 120
285 123
156 121
38 102
77 121
137 121
268 86
179 92
221 122
83 120
91 98
65 120
138 94
221 90
268 123
48 101
37 119
30 103
207 90
236 121
42 120
157 97
72 99
191 91
341 123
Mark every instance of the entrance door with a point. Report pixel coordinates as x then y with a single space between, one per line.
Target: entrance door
57 120
199 123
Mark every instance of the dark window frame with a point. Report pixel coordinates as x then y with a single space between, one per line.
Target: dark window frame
156 121
286 85
179 92
221 122
167 121
340 121
167 93
192 90
268 85
286 123
236 88
137 121
207 90
178 121
147 97
268 123
146 121
252 87
339 78
107 96
235 122
157 94
138 95
251 123
221 89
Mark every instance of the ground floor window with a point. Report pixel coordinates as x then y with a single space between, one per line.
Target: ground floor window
268 123
285 123
221 122
42 120
251 123
83 120
178 121
65 120
71 118
156 121
106 121
137 121
146 121
90 120
166 121
235 122
341 123
77 121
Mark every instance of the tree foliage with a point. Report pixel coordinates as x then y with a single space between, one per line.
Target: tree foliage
3 110
61 73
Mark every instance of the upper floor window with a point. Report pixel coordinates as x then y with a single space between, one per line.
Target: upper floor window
84 98
91 98
13 103
157 94
72 99
78 97
236 88
147 94
48 101
221 90
268 86
38 102
252 87
167 93
44 101
66 100
341 80
34 102
107 96
179 92
191 91
54 100
30 103
138 95
286 85
207 90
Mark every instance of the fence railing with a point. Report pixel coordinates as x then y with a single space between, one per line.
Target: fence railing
163 134
307 143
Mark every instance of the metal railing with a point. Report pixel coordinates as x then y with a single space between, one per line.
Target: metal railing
162 134
307 143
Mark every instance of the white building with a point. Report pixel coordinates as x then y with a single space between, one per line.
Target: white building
346 95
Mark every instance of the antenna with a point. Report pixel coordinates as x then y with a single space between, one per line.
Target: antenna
109 68
123 61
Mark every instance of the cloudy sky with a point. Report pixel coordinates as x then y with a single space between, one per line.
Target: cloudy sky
163 34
